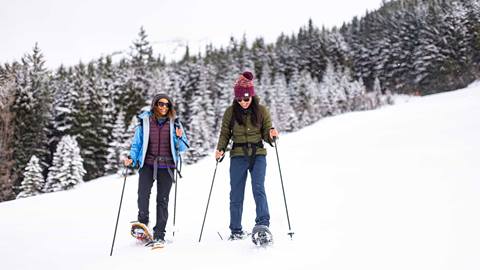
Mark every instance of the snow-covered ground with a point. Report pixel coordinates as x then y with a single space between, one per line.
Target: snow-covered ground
394 188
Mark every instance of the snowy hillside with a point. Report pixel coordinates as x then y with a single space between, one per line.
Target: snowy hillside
394 188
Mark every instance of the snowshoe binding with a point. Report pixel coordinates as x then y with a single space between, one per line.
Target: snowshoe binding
158 244
238 236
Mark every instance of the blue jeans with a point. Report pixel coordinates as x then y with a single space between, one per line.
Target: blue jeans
238 178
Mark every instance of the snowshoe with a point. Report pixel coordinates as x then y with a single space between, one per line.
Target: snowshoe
140 232
261 236
158 244
238 236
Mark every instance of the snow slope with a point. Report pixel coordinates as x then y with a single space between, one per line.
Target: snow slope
394 188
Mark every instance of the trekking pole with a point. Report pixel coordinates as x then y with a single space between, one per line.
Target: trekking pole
209 194
283 189
119 208
178 168
176 184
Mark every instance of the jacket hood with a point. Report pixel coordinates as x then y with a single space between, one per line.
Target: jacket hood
144 114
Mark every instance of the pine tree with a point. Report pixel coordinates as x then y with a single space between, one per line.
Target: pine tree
312 51
106 76
287 57
118 146
260 57
306 99
473 39
375 95
356 93
429 57
402 30
227 73
331 89
197 124
264 89
338 50
32 114
139 81
207 86
33 180
243 56
7 87
454 30
283 115
65 97
160 83
293 91
67 169
281 111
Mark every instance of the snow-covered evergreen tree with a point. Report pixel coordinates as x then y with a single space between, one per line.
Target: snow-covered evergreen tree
198 125
119 146
7 88
67 168
374 96
33 180
311 51
32 113
283 114
306 97
338 50
329 89
93 137
64 99
137 87
286 57
227 74
264 87
454 32
106 77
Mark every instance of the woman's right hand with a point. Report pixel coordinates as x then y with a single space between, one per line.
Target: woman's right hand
127 162
218 154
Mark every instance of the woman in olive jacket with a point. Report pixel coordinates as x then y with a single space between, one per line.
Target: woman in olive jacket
248 124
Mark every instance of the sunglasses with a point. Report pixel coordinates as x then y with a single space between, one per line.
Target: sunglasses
245 99
163 104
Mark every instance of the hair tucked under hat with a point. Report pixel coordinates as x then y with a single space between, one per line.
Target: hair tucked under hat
157 97
171 111
244 85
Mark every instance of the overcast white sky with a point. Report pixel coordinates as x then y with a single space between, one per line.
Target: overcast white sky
69 31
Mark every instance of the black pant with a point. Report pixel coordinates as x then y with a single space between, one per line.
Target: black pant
164 184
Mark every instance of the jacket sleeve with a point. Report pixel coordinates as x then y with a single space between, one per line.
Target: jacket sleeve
136 148
183 142
225 133
267 125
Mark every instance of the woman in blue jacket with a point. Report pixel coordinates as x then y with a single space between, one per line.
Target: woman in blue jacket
158 141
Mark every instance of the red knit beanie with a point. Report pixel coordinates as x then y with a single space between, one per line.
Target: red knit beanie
244 85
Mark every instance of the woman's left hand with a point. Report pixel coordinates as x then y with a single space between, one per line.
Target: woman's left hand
273 133
179 132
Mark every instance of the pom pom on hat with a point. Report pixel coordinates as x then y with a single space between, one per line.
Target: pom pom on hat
248 75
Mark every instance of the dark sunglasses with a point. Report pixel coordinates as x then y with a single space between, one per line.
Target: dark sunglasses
245 99
163 104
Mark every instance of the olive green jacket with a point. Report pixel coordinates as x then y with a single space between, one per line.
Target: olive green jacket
246 133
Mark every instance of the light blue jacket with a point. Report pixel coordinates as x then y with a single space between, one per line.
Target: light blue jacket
138 151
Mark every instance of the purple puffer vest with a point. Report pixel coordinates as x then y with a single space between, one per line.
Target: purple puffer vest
159 145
